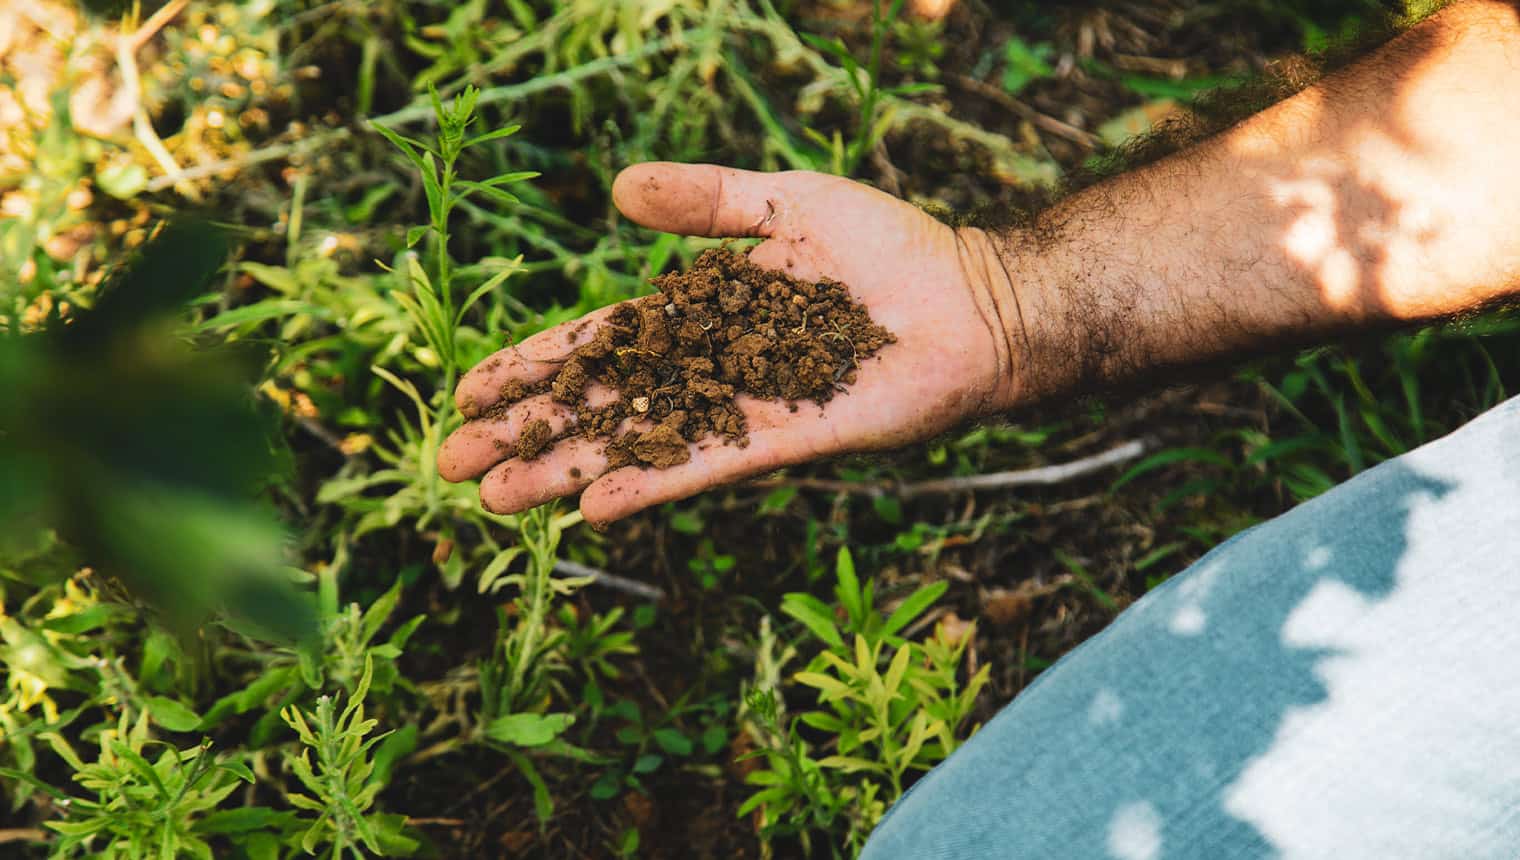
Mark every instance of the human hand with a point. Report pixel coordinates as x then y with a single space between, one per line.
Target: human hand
932 286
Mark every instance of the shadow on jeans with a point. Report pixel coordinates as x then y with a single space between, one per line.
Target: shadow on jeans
1147 742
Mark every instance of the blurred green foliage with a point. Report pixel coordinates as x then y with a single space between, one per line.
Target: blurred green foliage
144 452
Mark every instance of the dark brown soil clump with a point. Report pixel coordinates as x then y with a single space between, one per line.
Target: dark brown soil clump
677 358
535 437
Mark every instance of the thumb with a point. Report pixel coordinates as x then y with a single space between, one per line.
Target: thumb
699 199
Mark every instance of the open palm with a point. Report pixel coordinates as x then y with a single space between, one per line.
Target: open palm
918 277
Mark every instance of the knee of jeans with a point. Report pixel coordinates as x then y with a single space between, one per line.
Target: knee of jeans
911 806
915 827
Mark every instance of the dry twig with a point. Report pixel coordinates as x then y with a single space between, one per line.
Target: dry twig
23 834
1044 122
1043 475
609 580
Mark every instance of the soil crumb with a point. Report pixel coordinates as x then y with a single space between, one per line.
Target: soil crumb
535 437
676 359
570 383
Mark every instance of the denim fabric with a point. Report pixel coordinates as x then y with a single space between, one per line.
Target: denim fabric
1340 682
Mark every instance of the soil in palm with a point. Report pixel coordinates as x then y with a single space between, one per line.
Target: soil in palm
678 359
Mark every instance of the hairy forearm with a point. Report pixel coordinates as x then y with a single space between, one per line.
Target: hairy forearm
1387 193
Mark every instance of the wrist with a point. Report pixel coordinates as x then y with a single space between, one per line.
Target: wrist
1001 271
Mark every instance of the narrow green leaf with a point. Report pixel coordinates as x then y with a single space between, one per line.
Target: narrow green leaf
815 615
1283 448
759 798
83 621
78 828
34 782
851 764
896 670
510 178
1168 457
490 284
493 134
543 802
848 587
140 766
430 187
905 90
238 769
831 687
240 820
1156 555
495 194
824 721
920 600
379 611
268 309
410 147
396 746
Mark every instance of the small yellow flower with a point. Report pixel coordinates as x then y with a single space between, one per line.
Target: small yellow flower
32 690
356 443
280 396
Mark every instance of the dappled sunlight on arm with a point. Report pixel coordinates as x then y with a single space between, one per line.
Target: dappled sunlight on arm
1403 208
1312 240
1386 195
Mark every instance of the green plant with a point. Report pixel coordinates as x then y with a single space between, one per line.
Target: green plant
343 781
140 808
871 124
1023 64
518 682
709 565
857 602
431 300
433 307
345 650
918 46
592 643
529 649
350 650
45 658
796 794
678 732
888 707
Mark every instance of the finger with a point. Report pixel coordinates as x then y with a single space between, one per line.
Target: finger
535 359
625 491
567 468
481 444
700 199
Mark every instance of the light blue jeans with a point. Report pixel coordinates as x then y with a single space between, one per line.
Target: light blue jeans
1340 682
